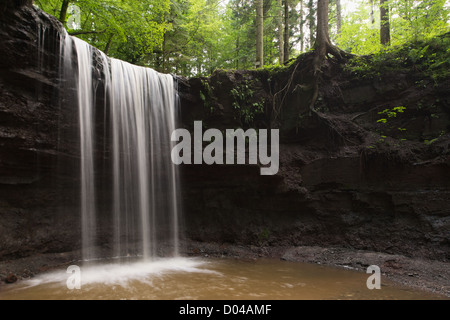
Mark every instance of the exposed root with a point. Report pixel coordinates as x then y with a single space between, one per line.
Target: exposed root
333 124
320 55
276 111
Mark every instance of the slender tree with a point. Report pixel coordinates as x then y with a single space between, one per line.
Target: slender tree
372 14
338 16
259 33
385 32
63 12
280 33
301 25
108 45
312 23
286 30
237 52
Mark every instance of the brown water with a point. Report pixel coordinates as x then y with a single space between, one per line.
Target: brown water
216 279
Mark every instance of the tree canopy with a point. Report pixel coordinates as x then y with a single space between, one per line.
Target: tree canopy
195 37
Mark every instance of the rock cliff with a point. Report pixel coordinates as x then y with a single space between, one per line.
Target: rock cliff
345 178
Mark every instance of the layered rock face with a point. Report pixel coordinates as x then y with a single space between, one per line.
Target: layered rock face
340 182
38 138
346 179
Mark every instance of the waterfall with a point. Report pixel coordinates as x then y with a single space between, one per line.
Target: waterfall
140 108
86 113
145 182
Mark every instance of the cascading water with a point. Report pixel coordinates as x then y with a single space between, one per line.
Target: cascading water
145 181
140 104
86 116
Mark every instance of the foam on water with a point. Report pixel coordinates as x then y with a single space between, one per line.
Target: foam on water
123 274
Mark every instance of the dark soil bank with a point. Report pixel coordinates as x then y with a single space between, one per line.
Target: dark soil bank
346 180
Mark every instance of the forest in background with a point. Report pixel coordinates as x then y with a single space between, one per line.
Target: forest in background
196 37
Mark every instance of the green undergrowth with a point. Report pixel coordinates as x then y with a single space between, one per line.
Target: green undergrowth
266 71
430 59
275 68
245 103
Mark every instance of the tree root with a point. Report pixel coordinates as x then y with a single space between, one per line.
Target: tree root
321 54
276 111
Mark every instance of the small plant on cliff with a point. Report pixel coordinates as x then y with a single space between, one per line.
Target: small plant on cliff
390 113
387 115
245 103
205 95
430 142
263 236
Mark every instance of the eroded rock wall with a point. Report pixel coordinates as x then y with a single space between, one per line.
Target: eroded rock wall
338 184
38 143
345 178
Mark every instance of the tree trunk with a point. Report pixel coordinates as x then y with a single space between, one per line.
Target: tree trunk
302 33
323 43
286 30
323 35
164 54
322 46
338 16
311 23
385 32
259 34
372 14
237 52
108 45
63 13
280 32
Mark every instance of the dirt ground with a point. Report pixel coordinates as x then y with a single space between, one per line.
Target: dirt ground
427 275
